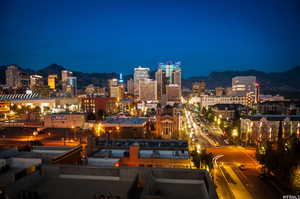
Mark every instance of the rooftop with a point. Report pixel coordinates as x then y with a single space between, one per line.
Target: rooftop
228 106
273 117
68 181
143 144
126 120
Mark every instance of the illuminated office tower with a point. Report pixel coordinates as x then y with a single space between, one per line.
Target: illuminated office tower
52 81
160 77
177 78
173 93
35 80
12 75
65 74
72 85
169 68
147 90
140 73
130 86
241 85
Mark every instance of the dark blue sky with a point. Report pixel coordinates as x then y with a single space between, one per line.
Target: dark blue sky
116 36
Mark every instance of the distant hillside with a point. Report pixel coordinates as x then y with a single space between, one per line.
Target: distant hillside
51 69
285 83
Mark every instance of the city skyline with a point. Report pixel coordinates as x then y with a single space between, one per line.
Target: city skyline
117 36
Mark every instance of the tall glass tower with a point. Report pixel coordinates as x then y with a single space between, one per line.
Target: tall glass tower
169 68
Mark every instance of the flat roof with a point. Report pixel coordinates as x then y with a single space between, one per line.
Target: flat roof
273 117
125 120
166 154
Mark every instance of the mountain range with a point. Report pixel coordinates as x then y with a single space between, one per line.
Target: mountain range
286 83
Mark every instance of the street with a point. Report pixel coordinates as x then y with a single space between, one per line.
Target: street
236 173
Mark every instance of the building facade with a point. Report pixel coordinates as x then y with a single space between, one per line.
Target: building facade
259 128
173 93
92 104
243 84
148 90
198 88
64 120
65 74
160 77
141 73
210 100
52 81
36 80
168 122
12 75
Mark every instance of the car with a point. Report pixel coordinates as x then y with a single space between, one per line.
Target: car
242 167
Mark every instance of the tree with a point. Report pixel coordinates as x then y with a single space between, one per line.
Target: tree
196 159
91 116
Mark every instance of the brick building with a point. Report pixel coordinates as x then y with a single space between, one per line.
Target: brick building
92 104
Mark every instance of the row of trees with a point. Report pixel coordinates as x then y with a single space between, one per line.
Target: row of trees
203 160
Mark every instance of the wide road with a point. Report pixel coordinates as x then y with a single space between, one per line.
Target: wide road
242 183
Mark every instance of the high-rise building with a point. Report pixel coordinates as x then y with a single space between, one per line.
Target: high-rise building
198 88
52 81
168 73
160 77
72 85
12 75
64 78
169 68
173 93
36 80
241 85
141 73
177 78
117 91
130 86
113 82
121 81
147 90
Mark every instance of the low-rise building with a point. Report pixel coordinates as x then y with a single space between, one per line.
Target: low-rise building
124 127
279 107
141 153
228 111
92 104
210 100
76 182
168 122
259 128
64 120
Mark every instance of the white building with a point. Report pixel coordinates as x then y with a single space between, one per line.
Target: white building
210 100
243 84
141 73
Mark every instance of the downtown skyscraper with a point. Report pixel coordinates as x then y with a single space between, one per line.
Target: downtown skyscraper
168 75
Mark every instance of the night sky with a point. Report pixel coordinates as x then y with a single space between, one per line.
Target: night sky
116 36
